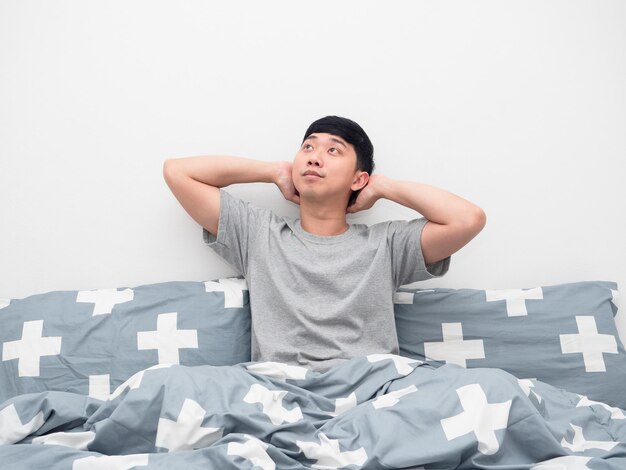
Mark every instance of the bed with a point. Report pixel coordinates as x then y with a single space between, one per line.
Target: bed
160 376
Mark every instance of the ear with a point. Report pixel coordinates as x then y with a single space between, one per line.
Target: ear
361 178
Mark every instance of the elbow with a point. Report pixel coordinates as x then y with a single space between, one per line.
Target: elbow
473 224
479 219
166 168
474 220
169 168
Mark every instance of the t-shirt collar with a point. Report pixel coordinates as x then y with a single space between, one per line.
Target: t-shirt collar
323 238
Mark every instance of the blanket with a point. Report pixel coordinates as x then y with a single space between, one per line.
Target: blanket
380 411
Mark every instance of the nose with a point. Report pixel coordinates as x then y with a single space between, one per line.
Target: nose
314 160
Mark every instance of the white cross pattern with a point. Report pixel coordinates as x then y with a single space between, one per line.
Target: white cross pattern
111 462
569 462
167 339
233 290
392 398
527 386
29 350
344 404
134 381
99 386
479 417
515 299
403 298
75 440
616 413
254 451
11 428
580 444
454 349
278 370
104 299
272 404
186 432
401 363
590 343
328 454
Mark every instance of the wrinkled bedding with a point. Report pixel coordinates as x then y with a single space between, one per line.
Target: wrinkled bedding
372 412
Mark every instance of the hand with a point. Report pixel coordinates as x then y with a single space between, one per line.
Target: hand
366 198
284 182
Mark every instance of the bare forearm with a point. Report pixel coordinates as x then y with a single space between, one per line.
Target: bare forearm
223 170
436 204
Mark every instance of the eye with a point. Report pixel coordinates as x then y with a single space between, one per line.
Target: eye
307 145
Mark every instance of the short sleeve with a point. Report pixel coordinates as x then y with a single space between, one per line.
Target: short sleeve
407 259
239 222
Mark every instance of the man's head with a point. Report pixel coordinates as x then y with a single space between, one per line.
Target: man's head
337 148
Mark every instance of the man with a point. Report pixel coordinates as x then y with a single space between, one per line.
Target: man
321 290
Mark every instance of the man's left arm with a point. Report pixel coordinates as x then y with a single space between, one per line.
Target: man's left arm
453 221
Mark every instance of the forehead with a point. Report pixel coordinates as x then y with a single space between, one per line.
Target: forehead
328 137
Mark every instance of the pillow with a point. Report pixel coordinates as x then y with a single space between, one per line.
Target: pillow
90 342
564 335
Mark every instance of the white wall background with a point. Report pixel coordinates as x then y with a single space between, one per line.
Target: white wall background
519 107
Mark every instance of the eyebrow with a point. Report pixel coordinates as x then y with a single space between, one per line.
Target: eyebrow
330 138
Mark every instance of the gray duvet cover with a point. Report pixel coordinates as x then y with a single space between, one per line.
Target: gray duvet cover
371 412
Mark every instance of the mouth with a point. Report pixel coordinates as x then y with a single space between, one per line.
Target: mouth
311 173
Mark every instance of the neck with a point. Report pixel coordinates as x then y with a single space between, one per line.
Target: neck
322 219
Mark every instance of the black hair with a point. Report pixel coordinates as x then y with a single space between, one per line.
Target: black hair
352 133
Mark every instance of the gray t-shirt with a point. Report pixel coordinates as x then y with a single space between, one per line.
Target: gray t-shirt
319 300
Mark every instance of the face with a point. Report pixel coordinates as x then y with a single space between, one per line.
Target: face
325 168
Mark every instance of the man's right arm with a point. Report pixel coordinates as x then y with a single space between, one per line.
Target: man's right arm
195 182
